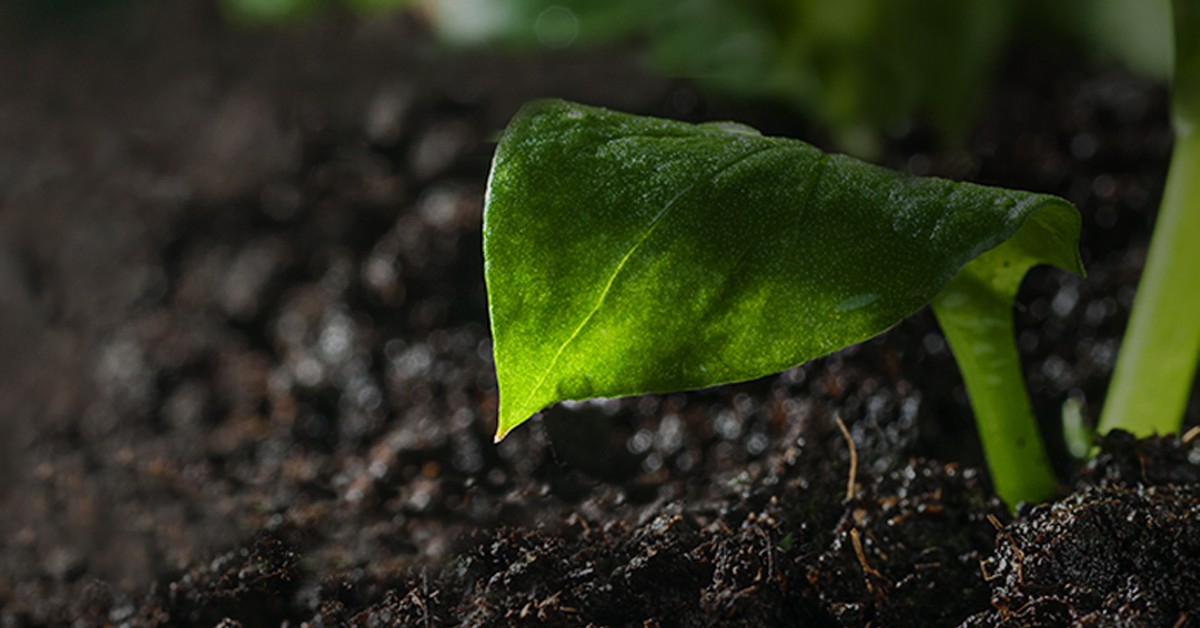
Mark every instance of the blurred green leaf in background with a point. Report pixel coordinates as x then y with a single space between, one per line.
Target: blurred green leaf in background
861 67
276 11
857 65
1137 33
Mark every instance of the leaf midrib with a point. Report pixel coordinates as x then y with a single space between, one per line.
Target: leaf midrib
629 254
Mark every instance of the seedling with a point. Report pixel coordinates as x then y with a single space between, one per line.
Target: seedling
1157 362
629 255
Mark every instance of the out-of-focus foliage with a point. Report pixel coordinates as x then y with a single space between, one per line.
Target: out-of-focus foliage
272 11
1136 32
861 66
268 10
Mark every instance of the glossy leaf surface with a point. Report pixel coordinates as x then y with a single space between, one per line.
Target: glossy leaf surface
627 255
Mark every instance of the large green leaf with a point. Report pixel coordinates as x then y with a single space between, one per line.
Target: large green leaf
628 255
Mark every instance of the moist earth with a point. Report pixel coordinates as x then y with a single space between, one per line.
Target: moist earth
247 378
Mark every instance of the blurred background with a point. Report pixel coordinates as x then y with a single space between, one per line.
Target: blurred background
240 278
861 67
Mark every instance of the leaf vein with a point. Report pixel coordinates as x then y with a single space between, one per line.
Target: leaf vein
629 254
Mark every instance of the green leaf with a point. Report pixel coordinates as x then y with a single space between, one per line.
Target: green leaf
628 255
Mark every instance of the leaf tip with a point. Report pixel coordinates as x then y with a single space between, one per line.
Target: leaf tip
503 427
506 424
502 430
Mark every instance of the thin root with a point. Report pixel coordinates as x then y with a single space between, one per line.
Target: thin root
869 572
850 483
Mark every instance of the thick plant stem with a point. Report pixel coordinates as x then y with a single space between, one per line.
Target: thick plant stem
1157 363
980 333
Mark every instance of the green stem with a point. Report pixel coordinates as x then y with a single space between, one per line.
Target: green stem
975 312
1157 363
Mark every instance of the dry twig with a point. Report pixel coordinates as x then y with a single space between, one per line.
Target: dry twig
1017 551
870 574
850 483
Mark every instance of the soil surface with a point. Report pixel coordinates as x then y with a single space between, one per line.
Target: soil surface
245 371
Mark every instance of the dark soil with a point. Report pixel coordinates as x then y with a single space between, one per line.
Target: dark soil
245 373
